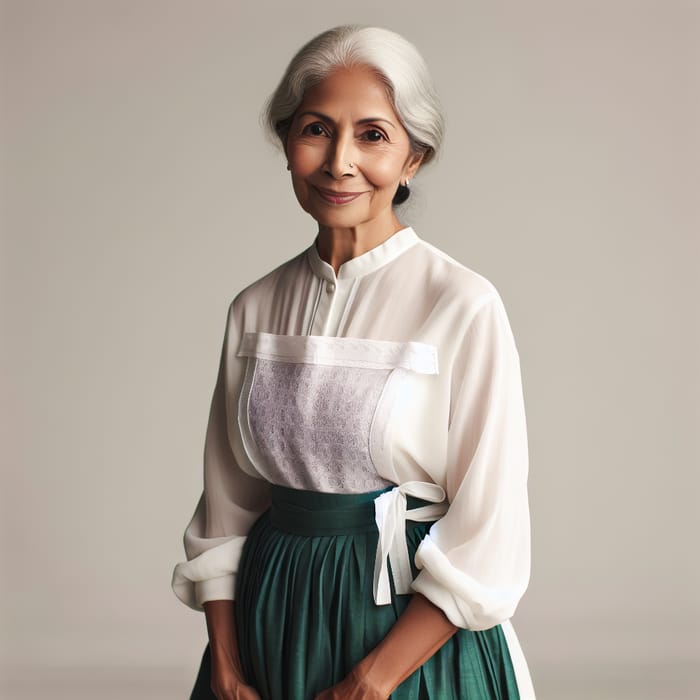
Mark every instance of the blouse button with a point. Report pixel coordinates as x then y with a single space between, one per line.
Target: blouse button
330 287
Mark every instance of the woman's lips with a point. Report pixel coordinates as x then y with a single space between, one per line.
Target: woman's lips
338 197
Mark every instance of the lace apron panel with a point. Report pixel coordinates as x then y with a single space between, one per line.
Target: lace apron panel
315 411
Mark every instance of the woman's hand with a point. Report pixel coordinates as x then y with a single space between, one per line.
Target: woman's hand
353 687
226 684
227 678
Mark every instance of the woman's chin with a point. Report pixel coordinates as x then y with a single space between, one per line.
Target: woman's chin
337 219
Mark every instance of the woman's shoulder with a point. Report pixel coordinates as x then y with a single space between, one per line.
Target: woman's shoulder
259 290
451 280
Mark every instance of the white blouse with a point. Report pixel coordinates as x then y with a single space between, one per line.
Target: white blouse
401 369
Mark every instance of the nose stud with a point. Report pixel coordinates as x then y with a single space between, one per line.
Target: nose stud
351 165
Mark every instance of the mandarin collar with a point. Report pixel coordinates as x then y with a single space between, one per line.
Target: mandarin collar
368 261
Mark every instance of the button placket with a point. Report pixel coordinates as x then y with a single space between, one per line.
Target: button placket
323 309
335 295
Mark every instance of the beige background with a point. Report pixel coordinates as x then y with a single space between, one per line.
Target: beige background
139 196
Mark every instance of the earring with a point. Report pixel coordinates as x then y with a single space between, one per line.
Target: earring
407 181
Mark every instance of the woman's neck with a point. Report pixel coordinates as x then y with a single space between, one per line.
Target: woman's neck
337 245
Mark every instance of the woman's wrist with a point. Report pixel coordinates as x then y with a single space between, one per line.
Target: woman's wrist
377 683
223 641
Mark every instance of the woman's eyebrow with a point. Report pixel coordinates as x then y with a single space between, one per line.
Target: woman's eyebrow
365 120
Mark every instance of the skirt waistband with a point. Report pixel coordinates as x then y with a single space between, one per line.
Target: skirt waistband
308 513
384 511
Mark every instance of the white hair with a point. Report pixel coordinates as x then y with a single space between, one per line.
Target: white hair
396 61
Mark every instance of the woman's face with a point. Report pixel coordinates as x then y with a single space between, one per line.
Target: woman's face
348 119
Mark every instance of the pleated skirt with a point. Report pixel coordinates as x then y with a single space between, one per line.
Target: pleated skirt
305 612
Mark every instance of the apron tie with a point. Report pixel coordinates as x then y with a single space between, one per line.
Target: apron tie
390 514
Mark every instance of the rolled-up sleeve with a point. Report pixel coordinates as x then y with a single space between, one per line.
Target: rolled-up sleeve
475 560
231 499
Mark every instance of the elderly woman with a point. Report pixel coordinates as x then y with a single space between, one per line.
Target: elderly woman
363 530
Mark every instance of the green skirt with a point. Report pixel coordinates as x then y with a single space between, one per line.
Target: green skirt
305 611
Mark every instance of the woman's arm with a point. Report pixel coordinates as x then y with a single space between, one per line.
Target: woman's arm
227 679
475 560
418 633
231 500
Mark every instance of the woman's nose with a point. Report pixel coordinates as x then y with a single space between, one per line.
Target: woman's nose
341 158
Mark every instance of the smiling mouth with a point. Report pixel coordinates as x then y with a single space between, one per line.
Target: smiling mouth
337 197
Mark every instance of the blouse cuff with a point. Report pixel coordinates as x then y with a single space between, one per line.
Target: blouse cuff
210 575
219 588
466 602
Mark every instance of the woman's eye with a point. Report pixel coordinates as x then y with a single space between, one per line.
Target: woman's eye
374 135
314 130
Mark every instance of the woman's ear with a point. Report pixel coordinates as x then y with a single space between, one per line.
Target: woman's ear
412 165
286 155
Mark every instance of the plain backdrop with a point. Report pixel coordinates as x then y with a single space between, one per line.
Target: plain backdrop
139 195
